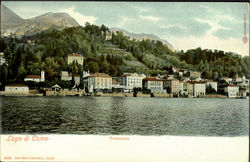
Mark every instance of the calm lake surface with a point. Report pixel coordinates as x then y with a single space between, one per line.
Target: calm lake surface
125 116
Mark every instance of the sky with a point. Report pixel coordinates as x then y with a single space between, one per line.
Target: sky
184 25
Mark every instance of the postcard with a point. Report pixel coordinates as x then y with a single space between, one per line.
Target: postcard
124 81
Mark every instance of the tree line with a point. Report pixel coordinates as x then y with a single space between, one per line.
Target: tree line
47 50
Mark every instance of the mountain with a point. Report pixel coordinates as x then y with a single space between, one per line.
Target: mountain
143 36
57 19
9 20
14 24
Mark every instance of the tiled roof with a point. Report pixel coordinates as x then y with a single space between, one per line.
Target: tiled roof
16 85
197 82
101 75
75 54
115 82
134 74
33 76
75 75
152 79
232 85
209 81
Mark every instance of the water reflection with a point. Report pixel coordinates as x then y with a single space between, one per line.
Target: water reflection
120 115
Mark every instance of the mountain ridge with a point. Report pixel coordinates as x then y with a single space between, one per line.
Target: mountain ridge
142 36
14 24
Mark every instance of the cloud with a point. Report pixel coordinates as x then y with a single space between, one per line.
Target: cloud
215 26
123 21
149 18
179 26
141 9
209 41
80 18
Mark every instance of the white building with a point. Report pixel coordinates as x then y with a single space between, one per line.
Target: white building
181 87
130 81
108 35
16 89
199 88
98 81
68 77
36 78
2 59
231 90
213 84
228 80
74 57
154 84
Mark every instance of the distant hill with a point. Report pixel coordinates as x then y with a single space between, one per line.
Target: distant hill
11 23
9 18
143 36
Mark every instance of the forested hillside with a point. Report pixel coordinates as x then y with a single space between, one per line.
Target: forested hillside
216 63
47 50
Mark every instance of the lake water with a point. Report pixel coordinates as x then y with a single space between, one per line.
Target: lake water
125 116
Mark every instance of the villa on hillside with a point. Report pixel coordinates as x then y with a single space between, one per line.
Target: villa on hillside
108 35
194 74
74 57
36 78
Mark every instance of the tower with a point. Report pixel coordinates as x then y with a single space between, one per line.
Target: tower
42 76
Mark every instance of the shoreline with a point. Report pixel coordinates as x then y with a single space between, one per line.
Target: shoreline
117 95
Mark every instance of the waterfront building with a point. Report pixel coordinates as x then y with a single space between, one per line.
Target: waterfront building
231 90
98 81
74 57
172 84
36 78
181 87
16 89
199 88
154 84
65 76
186 89
242 92
211 83
190 89
130 81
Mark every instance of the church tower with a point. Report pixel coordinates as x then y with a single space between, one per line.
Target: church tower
42 76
